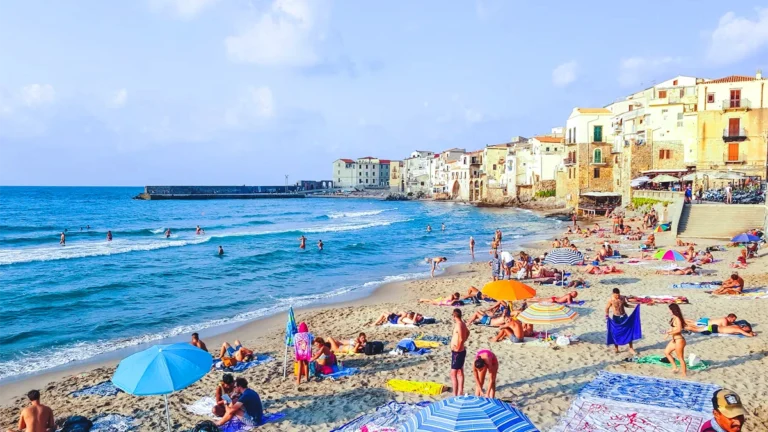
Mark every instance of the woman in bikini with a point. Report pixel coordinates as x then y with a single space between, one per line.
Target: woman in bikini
324 359
223 396
350 346
485 363
677 344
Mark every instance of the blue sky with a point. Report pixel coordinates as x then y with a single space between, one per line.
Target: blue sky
244 92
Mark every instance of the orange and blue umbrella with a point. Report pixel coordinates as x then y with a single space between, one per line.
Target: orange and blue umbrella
669 255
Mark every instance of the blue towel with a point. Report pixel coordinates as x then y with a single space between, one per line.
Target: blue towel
626 331
105 388
241 366
408 346
699 285
342 373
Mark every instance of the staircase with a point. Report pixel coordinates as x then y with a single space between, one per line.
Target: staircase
719 221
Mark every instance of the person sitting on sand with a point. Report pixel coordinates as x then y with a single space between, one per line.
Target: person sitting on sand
476 294
734 285
568 231
539 271
489 320
324 358
247 412
433 262
453 300
485 363
685 271
586 234
741 260
348 346
498 309
707 258
556 244
197 342
679 242
515 330
36 417
223 395
400 318
650 242
566 242
237 352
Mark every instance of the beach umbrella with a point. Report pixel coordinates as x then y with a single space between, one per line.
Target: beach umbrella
564 256
745 238
508 290
469 413
290 330
664 178
662 228
162 369
669 255
547 313
639 181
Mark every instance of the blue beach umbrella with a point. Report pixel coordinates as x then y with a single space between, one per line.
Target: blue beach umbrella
469 413
162 369
745 238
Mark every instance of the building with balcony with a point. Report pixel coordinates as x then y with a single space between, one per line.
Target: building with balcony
416 172
732 125
439 171
396 176
458 178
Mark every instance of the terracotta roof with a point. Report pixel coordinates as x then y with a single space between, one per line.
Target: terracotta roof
437 155
731 79
347 160
593 110
384 161
548 139
367 157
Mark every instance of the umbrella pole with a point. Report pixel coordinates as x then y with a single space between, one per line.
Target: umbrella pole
167 413
285 360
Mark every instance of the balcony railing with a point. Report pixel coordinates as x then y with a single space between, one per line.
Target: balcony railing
569 161
736 104
734 135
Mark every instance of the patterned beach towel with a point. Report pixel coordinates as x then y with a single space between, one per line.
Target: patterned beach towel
105 388
302 343
389 417
113 423
242 366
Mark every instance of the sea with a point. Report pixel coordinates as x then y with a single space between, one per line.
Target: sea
64 304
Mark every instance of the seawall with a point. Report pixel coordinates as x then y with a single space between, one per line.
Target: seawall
219 192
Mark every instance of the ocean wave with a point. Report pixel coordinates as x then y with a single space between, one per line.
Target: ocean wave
337 215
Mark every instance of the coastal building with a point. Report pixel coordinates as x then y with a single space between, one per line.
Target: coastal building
440 172
417 178
458 174
361 173
384 168
396 176
493 171
587 162
546 153
476 177
732 127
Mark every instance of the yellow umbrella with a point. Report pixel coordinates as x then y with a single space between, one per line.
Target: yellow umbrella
508 290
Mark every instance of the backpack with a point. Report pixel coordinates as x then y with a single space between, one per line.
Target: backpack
206 426
375 347
77 424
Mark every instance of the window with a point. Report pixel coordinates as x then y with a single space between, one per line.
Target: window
598 134
597 156
568 140
631 107
573 135
547 149
366 181
361 180
662 94
494 167
733 127
735 98
674 83
596 173
682 92
733 152
710 98
665 154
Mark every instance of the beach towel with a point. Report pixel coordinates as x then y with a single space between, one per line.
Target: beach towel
113 423
302 343
626 331
105 388
204 407
388 417
420 387
341 372
388 324
651 300
431 338
746 295
242 366
657 360
236 425
409 346
698 285
427 344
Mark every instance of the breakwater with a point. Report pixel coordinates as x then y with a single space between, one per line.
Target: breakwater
219 192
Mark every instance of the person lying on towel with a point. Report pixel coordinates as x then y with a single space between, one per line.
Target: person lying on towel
685 271
568 298
734 285
725 325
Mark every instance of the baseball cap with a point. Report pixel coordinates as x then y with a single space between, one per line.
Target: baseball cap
728 403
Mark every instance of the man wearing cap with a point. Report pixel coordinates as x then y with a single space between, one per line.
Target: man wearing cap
728 413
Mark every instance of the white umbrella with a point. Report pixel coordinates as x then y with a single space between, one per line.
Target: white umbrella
665 178
639 181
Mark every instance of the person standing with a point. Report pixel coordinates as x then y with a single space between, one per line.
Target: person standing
699 195
495 264
677 344
168 233
617 304
573 218
458 352
36 417
63 239
302 242
472 246
728 194
109 236
728 413
320 245
688 194
485 363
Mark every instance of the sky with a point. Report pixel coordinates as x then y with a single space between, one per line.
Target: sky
245 92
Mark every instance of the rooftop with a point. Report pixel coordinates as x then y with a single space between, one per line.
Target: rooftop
549 139
347 160
731 79
593 110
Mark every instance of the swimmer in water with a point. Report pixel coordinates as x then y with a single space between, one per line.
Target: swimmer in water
63 240
302 242
88 227
429 228
442 227
320 245
221 251
109 235
198 230
168 233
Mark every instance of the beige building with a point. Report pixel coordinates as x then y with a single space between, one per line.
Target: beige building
362 173
396 176
458 178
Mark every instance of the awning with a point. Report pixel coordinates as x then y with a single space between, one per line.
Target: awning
665 178
639 181
728 176
600 194
666 171
693 176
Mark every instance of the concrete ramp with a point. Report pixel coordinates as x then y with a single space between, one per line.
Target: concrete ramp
719 221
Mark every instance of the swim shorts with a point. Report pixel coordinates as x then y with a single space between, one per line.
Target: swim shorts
515 339
713 328
392 318
231 350
485 320
457 359
619 319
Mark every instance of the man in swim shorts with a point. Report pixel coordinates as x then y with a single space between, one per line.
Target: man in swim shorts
617 303
458 352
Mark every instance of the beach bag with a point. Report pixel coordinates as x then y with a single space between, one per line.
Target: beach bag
373 348
77 424
206 426
521 273
228 362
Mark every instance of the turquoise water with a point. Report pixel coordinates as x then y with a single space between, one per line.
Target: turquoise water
63 304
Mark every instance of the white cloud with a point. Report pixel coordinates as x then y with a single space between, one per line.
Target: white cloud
37 95
285 35
472 116
634 71
184 9
256 105
119 98
737 38
564 74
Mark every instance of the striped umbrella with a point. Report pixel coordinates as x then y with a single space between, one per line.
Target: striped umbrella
564 256
547 313
669 255
469 413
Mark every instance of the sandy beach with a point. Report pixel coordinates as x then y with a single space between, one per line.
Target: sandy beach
541 381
